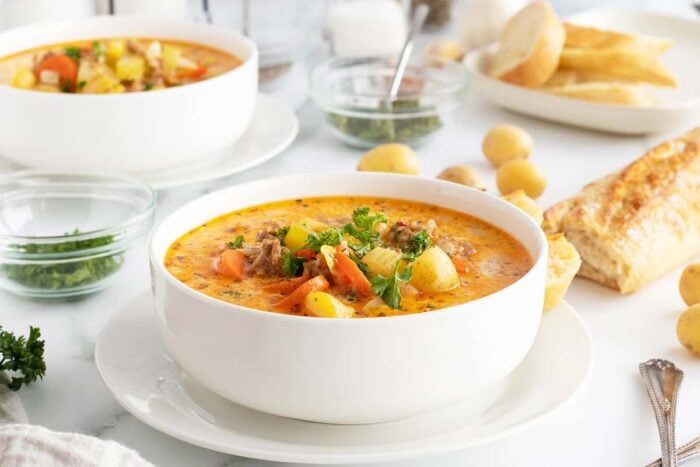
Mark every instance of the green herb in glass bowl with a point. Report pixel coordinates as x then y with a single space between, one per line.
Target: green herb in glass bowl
62 274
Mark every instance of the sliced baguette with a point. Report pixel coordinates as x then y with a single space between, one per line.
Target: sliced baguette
568 77
529 47
607 93
626 64
592 38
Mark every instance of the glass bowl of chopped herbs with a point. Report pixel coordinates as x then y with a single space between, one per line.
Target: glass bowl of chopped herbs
353 93
66 235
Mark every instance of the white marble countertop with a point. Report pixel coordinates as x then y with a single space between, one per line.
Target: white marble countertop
610 423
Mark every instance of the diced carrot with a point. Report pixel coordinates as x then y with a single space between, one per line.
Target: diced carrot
315 284
63 65
461 264
231 263
352 272
286 286
306 254
198 72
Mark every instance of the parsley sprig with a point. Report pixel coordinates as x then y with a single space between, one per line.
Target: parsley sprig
388 287
236 243
363 229
72 52
417 245
22 356
292 266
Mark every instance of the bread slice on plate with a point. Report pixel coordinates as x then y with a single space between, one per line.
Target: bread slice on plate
604 92
586 37
632 226
529 47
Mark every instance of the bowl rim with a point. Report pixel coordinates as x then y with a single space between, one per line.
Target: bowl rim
539 262
251 61
136 225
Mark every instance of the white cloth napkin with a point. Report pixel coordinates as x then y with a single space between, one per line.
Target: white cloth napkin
24 445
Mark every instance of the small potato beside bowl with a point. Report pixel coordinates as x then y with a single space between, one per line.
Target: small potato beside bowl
349 370
132 132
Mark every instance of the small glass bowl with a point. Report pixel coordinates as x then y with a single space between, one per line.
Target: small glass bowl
353 91
66 235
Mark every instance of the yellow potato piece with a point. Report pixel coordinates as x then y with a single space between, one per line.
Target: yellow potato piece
130 67
171 56
688 329
526 204
325 305
562 265
23 78
393 158
382 261
115 51
433 271
297 236
504 143
689 285
520 175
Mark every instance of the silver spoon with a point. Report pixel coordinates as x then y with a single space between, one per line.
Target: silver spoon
662 380
419 15
686 452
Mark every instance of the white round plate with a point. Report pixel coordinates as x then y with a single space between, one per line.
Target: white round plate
674 107
136 368
273 128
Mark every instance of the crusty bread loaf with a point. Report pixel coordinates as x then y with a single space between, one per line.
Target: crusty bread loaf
630 65
632 226
562 265
604 92
592 38
529 47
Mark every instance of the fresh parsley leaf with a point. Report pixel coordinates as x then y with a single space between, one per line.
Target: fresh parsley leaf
291 265
81 84
418 244
282 232
72 52
331 237
22 356
236 243
147 86
388 287
97 49
362 229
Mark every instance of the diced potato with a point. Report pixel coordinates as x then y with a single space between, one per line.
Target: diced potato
328 253
115 51
562 265
103 84
171 57
433 271
382 261
130 67
325 305
297 235
23 78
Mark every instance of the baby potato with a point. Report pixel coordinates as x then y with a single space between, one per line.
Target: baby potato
689 285
464 175
393 158
504 143
563 263
688 329
433 271
523 175
526 204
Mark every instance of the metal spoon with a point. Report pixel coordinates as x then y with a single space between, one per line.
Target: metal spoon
419 15
686 452
662 380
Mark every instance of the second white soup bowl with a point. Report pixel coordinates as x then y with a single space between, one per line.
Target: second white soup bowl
133 132
353 370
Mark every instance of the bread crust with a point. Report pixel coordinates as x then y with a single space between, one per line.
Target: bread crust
632 226
543 59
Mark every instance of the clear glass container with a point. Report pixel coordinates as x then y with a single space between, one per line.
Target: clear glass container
66 235
353 92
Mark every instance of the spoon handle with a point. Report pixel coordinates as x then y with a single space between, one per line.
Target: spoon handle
419 15
686 452
662 380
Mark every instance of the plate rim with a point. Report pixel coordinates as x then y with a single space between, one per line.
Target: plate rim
355 458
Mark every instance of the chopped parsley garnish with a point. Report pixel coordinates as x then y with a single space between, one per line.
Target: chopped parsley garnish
63 274
236 243
282 232
66 87
22 356
291 265
388 287
363 230
147 86
72 52
97 49
331 237
81 84
418 244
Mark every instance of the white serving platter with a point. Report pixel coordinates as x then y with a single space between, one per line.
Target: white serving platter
137 370
677 108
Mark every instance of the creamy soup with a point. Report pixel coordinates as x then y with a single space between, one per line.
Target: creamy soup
347 257
111 66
